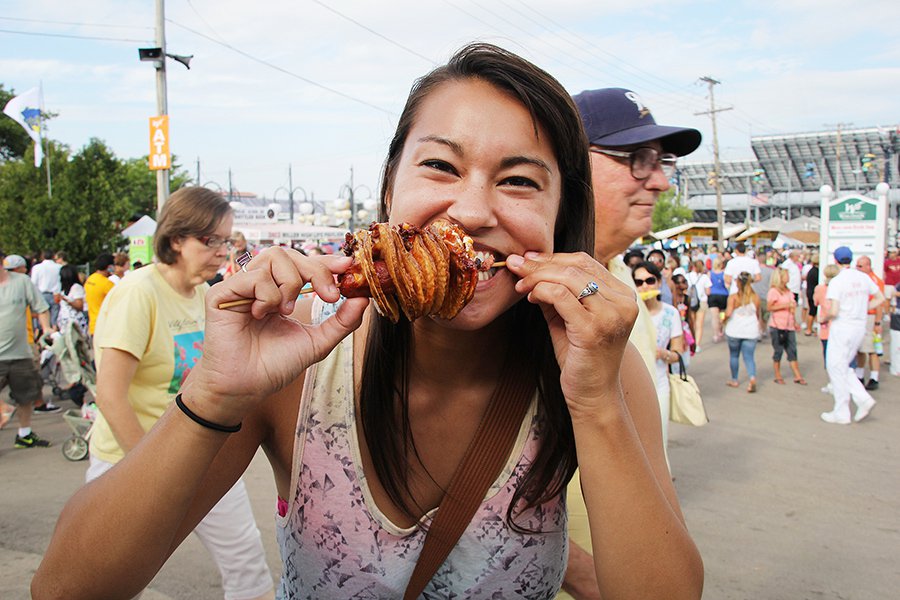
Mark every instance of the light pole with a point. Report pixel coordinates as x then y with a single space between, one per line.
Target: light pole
290 193
351 211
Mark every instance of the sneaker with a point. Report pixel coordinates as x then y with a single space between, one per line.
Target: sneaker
830 417
46 408
872 385
31 441
863 410
826 389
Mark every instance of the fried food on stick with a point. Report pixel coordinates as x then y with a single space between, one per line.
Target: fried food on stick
430 271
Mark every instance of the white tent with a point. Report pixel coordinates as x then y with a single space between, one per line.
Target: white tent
143 226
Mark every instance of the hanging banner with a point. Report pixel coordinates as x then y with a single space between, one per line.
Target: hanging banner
159 143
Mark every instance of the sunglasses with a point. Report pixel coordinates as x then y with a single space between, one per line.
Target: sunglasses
649 281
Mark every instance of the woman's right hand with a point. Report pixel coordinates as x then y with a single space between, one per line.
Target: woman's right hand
254 350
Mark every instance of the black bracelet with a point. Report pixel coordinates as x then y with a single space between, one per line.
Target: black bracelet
201 421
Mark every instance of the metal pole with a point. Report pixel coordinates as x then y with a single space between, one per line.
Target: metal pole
162 108
291 193
352 203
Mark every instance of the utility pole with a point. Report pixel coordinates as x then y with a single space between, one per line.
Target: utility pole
162 108
837 157
720 215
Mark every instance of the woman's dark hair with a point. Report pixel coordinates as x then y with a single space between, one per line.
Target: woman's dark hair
191 211
384 410
650 268
68 276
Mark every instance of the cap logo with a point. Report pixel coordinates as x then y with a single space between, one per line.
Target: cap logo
643 111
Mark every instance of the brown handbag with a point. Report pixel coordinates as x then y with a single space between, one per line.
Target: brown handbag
484 459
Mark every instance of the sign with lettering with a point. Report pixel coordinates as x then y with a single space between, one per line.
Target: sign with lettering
160 158
855 221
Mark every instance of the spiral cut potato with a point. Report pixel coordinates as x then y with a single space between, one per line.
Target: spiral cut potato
430 271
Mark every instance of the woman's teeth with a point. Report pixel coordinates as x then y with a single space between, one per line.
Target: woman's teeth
482 257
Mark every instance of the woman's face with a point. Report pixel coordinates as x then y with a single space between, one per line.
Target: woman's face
473 157
644 280
198 260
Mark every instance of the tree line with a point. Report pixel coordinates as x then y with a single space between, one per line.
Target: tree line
95 194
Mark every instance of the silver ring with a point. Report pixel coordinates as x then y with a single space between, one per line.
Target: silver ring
243 259
589 290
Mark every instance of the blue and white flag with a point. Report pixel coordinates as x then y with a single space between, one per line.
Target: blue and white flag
25 109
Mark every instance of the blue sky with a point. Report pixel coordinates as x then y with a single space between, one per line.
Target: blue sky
785 66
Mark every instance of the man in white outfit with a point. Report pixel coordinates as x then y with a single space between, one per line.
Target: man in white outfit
849 294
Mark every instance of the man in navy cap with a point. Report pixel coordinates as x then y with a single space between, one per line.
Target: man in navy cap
632 160
850 295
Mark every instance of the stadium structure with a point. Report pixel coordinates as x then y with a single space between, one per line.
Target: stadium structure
783 179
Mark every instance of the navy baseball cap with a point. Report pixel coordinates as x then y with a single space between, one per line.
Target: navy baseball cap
618 117
843 255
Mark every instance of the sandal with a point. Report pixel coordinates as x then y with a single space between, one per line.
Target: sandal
751 388
779 381
731 383
800 381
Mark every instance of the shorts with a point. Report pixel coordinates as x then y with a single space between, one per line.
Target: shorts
25 383
717 301
867 346
813 309
783 340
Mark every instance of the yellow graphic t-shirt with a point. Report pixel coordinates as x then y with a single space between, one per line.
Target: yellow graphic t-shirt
145 317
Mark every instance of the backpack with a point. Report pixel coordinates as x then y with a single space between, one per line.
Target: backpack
693 298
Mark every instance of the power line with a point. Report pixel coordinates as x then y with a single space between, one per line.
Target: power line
373 32
50 22
73 36
282 69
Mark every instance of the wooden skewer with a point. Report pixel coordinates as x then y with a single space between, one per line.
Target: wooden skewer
309 290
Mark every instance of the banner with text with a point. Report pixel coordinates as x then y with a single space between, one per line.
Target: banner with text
159 143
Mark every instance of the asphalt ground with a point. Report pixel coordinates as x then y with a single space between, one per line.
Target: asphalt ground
782 505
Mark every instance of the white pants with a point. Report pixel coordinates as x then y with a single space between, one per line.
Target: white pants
843 342
230 535
895 352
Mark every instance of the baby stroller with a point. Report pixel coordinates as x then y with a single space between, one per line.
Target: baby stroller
68 367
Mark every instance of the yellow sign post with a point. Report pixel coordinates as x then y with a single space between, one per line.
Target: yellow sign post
159 143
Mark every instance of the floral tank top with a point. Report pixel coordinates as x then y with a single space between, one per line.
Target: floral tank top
336 543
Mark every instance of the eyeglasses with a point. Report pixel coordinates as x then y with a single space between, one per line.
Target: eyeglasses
215 242
649 281
643 161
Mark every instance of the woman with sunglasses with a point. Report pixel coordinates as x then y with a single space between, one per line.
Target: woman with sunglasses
149 336
669 333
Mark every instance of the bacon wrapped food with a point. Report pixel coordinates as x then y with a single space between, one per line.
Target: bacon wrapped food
422 271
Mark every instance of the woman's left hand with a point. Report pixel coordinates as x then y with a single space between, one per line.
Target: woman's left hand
589 335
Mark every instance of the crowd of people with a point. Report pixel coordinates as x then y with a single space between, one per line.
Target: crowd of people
352 410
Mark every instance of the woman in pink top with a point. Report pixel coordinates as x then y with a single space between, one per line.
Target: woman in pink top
782 325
